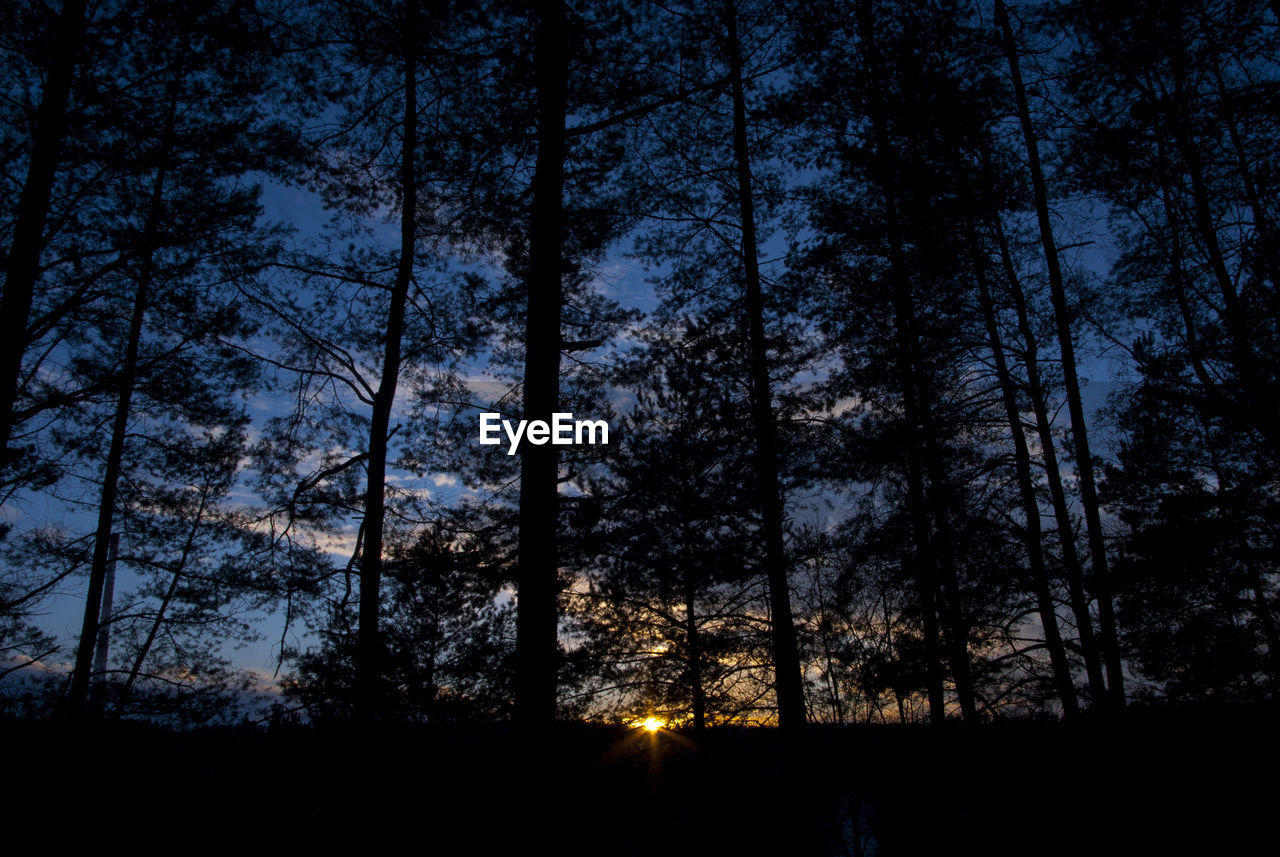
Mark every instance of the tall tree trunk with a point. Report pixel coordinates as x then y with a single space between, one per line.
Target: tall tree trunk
115 459
370 699
23 265
433 654
537 649
1071 382
922 561
1030 505
102 652
1072 565
940 505
1238 328
120 422
786 658
1216 400
697 693
1251 413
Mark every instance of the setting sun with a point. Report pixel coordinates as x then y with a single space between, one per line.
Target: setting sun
651 724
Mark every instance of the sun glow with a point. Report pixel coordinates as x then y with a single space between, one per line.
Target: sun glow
651 724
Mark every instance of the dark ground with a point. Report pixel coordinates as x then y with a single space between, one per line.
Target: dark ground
1175 782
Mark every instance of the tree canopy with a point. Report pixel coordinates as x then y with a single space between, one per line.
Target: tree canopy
938 347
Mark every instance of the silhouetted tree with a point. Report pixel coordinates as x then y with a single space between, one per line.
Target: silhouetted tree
571 214
1178 139
179 232
449 640
361 316
60 38
673 615
706 167
1063 316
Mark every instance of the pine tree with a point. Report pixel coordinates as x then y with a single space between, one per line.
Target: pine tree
368 311
1062 316
449 640
177 229
673 614
1178 141
712 202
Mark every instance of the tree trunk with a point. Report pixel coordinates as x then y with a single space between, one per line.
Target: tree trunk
922 562
120 423
828 656
1258 404
940 504
114 464
1072 566
786 658
370 699
1071 383
23 265
102 652
1238 327
537 642
1030 505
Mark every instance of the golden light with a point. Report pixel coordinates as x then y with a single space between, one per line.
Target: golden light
651 724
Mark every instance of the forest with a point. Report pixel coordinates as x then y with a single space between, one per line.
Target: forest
936 347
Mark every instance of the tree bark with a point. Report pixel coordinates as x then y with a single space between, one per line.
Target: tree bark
833 681
1262 226
1177 279
102 651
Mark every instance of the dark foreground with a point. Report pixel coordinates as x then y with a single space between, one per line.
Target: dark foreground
1171 782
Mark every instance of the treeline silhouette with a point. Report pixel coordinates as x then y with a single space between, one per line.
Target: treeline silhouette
855 475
